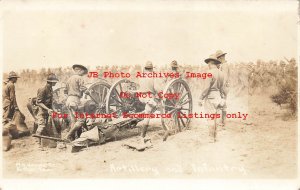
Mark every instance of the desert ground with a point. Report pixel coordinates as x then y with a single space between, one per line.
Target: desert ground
263 146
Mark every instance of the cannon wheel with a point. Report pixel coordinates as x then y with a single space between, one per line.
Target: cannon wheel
182 106
98 93
114 103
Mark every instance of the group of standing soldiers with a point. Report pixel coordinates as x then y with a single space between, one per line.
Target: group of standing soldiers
213 97
75 89
44 102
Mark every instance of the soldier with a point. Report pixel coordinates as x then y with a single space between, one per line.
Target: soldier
89 107
75 89
9 98
174 66
226 72
10 106
44 101
147 85
213 94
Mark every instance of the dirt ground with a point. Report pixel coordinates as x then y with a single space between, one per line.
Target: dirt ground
262 146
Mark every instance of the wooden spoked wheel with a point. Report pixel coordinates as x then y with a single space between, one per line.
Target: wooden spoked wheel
98 93
177 108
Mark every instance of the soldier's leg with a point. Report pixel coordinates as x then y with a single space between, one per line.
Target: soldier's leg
212 128
8 113
146 120
224 107
77 125
72 105
72 118
41 122
6 137
224 112
5 118
149 108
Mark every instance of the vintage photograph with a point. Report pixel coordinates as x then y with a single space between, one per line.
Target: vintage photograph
121 89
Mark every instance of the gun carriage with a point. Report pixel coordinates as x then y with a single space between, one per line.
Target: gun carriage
108 100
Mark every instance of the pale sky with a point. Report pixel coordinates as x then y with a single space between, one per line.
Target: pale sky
188 31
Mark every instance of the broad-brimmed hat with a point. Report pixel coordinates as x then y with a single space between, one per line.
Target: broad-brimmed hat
12 74
81 67
214 58
174 64
52 78
220 53
149 65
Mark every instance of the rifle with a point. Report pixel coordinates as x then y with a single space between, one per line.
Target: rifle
50 138
117 123
108 127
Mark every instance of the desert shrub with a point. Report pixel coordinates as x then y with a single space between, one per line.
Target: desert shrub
287 93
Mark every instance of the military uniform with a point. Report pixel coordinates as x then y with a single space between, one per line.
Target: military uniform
75 88
45 96
224 67
213 95
9 102
74 92
147 85
174 69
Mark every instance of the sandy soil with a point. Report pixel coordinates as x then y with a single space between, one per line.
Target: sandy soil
263 146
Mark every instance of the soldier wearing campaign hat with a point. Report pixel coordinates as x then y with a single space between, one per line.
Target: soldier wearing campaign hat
174 66
44 102
226 72
9 107
213 94
75 90
9 101
147 86
148 65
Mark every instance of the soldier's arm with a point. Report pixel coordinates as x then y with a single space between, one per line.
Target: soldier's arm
39 100
12 96
81 84
208 83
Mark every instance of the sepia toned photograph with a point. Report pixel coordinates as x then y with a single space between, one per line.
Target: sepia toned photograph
126 89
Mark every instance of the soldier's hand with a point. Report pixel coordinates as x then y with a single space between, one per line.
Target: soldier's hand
50 111
87 92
